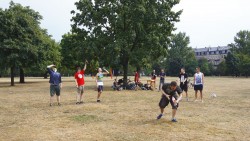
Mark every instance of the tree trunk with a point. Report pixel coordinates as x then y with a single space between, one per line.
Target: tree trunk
125 72
12 75
45 76
21 75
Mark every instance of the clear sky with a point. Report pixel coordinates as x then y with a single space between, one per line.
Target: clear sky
207 22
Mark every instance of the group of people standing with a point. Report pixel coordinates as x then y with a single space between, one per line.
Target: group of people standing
56 83
171 92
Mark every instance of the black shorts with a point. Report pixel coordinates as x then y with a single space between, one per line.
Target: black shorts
100 88
184 87
164 102
198 87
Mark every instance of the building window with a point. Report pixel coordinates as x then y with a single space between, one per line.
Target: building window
204 53
220 52
225 51
214 52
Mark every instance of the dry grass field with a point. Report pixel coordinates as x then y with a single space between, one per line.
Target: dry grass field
25 113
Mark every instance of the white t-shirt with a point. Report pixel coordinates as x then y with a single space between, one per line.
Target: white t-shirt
198 78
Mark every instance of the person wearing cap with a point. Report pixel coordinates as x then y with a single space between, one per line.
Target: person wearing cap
79 81
55 83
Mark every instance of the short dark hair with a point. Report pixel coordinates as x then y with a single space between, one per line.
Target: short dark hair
173 83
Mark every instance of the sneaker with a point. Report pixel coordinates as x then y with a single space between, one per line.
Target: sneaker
98 100
81 102
174 120
59 104
77 103
159 117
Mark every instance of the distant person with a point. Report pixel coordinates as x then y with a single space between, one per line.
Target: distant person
79 80
198 83
136 79
153 79
169 95
162 79
183 82
55 84
99 82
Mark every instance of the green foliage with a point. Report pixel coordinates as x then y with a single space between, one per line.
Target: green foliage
118 32
180 55
238 61
205 66
221 69
23 43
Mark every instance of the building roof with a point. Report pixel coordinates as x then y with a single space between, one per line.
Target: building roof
206 49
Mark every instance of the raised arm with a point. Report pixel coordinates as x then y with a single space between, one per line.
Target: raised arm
106 72
85 66
50 66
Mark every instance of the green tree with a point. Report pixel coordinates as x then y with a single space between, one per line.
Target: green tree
21 38
204 66
240 53
124 31
232 64
222 69
181 55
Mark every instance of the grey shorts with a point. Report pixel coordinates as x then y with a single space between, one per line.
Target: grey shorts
80 89
55 89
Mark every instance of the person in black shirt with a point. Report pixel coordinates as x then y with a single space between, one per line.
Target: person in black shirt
183 82
169 95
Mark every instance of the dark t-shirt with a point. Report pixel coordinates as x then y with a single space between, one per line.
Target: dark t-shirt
166 88
153 76
162 75
182 77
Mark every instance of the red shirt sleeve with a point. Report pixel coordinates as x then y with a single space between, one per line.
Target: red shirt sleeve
75 75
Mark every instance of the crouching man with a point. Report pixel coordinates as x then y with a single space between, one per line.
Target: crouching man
169 95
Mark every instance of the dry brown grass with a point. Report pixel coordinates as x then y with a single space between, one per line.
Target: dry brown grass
125 115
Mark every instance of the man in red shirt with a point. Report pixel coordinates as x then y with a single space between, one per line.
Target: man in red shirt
79 79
